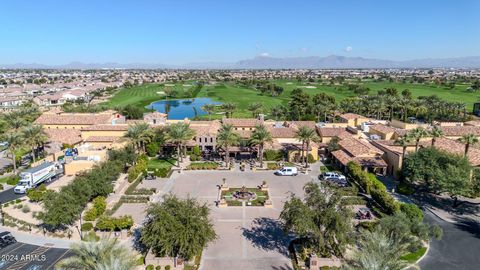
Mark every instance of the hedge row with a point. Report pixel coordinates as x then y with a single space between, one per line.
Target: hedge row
140 167
106 223
371 185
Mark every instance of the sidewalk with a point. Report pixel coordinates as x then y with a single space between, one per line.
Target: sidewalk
39 240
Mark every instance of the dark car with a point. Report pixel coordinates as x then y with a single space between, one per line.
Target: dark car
6 238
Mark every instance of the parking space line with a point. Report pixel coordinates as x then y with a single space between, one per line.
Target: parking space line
21 245
55 262
20 264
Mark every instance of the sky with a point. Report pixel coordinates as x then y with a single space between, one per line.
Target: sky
181 32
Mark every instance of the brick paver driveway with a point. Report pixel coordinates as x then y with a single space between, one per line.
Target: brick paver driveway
248 237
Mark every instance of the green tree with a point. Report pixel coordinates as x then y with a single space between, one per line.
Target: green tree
468 140
229 108
417 134
306 135
140 134
34 136
209 109
321 219
435 133
15 142
102 255
255 108
404 142
227 137
177 227
260 136
179 134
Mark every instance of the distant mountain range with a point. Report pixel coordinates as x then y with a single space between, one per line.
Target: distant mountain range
265 62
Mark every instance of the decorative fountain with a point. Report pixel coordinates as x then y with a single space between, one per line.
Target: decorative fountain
244 195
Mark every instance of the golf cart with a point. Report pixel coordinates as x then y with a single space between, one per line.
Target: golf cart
6 238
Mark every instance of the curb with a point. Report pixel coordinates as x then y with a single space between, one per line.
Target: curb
415 264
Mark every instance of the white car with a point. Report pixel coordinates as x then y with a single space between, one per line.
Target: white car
332 175
287 171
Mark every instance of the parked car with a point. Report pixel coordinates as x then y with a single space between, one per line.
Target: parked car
6 238
287 171
331 175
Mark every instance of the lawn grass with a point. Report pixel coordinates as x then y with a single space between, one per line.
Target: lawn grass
414 256
156 163
142 95
242 96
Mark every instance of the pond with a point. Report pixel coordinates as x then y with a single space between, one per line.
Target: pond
181 108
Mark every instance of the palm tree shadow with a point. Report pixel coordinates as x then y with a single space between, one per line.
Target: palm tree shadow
267 234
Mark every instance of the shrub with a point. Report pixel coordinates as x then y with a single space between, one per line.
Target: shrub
12 180
405 188
87 226
100 204
310 158
1 187
196 150
367 225
412 211
161 172
152 149
436 231
35 195
149 267
273 166
158 267
42 188
387 202
272 155
18 200
203 166
91 236
91 214
25 209
105 223
167 267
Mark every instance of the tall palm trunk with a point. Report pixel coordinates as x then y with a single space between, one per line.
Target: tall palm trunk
417 142
179 156
467 148
14 159
227 155
260 152
303 152
33 153
306 153
404 149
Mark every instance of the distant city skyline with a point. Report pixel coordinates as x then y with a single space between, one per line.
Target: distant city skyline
184 32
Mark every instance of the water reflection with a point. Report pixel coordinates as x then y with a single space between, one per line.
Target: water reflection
181 108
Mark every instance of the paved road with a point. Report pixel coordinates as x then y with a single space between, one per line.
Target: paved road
458 249
9 195
20 256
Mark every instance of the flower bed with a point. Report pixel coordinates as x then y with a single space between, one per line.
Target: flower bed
203 166
260 198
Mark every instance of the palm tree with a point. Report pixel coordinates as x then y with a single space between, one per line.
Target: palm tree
417 134
14 141
306 135
403 141
140 134
227 137
34 136
255 108
377 251
436 132
260 136
229 108
179 134
209 108
106 254
468 140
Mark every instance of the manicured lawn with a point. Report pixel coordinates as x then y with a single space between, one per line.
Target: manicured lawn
143 95
156 163
414 256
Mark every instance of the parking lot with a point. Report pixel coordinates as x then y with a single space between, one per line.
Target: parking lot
20 256
248 237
